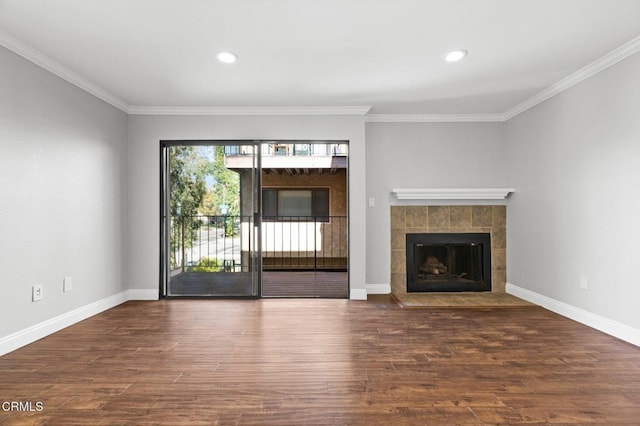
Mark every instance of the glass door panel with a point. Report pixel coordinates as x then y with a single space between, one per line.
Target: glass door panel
210 203
304 232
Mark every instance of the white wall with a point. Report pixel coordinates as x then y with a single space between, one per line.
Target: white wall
62 195
575 163
424 155
145 134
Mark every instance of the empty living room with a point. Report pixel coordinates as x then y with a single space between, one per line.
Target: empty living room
319 213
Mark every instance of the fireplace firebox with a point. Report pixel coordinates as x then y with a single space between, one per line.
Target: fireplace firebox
448 262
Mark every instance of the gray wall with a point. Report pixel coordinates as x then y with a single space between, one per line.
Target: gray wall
80 193
146 132
575 163
62 194
424 155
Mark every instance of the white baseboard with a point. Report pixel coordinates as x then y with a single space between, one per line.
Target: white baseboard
606 325
29 335
378 288
358 294
22 338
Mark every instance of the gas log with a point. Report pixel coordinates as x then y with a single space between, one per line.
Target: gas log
433 266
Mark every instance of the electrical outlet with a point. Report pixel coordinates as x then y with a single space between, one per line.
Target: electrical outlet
36 293
584 282
67 284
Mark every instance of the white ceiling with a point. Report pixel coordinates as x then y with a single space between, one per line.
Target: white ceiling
387 54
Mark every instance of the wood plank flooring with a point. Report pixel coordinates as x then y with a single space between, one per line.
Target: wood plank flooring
322 362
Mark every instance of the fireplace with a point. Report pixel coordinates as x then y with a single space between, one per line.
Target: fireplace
448 262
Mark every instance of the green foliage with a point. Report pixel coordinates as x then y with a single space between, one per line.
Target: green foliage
189 167
208 206
227 187
206 265
225 195
187 183
230 228
187 189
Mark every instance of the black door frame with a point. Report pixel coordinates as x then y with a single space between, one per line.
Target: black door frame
257 197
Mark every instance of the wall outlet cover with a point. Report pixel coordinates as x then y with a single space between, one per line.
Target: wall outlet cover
36 293
67 284
584 282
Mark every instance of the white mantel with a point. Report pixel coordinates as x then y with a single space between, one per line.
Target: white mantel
451 193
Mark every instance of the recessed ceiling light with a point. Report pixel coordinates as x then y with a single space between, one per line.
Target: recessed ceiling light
455 56
227 57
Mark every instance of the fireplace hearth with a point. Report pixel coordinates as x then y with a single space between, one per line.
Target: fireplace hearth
448 262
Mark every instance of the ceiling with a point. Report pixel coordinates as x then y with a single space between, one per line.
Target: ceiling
387 54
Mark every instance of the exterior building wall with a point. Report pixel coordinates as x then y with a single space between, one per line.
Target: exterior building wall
337 184
302 245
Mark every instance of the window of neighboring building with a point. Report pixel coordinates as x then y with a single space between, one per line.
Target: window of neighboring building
295 204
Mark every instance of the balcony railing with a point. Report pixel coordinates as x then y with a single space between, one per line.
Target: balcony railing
223 243
302 242
207 243
290 150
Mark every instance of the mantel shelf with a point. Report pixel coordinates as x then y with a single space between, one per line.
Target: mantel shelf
451 193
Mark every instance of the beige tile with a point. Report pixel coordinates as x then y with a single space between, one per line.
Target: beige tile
499 216
418 230
440 230
398 283
464 230
398 261
460 216
416 216
499 238
457 230
498 258
499 281
462 299
482 216
485 229
398 239
438 216
398 216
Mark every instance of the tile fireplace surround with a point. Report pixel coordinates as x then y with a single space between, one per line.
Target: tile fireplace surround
448 219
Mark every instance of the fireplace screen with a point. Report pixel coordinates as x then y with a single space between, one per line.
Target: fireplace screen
448 262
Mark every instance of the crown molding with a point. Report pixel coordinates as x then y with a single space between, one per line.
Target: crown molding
435 118
630 48
319 110
451 193
60 70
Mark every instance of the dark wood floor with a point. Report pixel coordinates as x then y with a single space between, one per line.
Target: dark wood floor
319 361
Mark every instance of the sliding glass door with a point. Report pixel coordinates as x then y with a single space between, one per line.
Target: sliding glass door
304 228
210 219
